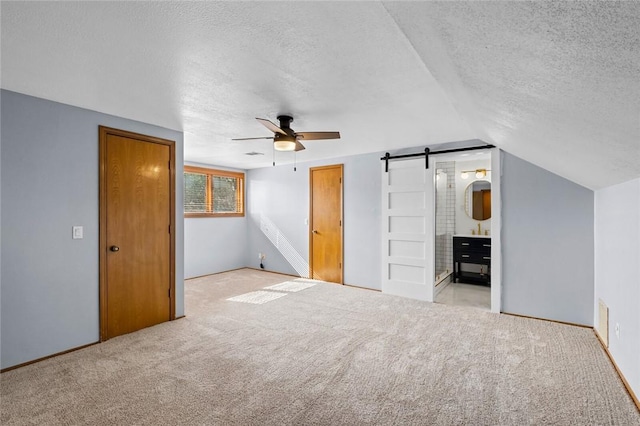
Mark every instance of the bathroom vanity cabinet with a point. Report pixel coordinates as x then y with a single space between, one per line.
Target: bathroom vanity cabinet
472 250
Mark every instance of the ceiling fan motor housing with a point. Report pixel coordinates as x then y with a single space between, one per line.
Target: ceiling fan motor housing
282 138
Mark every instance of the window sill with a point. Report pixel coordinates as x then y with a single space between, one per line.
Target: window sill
190 215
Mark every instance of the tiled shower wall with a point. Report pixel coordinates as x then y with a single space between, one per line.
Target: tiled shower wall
445 219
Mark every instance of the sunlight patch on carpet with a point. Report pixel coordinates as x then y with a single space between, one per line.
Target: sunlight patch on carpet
257 297
291 286
309 280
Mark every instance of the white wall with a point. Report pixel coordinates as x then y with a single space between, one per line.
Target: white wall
617 278
464 224
49 184
547 244
279 197
214 244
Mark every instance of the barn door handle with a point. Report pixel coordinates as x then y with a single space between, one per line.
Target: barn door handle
114 248
314 231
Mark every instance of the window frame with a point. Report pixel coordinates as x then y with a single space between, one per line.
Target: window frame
210 173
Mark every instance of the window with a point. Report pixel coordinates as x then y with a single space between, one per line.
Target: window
209 192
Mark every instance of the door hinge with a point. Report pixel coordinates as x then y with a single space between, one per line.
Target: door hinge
169 228
340 223
169 163
340 180
169 292
340 265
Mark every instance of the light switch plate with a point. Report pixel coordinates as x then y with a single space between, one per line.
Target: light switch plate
77 233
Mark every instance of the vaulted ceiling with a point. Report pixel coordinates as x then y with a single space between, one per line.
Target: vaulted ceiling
555 83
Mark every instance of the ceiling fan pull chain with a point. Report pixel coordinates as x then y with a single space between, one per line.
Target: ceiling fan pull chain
274 156
294 160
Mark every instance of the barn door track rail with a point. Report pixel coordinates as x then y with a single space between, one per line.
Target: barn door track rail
427 152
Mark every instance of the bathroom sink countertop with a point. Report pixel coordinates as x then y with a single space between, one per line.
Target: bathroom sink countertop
472 236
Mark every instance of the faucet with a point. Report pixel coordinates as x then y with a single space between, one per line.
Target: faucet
479 232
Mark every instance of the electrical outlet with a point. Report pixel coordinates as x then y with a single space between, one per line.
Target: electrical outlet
77 232
261 256
618 330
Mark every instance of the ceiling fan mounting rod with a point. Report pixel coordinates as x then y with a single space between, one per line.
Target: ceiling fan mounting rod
285 121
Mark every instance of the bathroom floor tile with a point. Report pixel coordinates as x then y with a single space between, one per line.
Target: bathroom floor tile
460 294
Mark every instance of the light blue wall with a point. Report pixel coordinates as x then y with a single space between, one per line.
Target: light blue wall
214 244
617 253
547 244
1 95
279 198
49 184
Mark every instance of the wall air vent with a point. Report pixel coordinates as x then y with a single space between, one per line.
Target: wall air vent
253 153
603 323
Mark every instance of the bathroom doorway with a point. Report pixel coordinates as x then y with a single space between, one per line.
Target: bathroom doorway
428 216
466 228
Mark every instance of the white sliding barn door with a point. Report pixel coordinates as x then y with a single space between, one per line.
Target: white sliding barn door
408 229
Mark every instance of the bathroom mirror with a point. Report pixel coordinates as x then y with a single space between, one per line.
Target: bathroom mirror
477 200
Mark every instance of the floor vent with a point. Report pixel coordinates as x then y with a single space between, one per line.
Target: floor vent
603 323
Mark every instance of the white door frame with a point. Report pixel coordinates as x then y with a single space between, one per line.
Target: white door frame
496 230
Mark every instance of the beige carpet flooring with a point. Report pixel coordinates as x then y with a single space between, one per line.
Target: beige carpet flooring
325 355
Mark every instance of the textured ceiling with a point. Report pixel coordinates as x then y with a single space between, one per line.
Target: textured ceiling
557 84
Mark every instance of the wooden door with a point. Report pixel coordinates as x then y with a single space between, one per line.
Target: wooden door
408 229
486 204
478 207
325 238
136 220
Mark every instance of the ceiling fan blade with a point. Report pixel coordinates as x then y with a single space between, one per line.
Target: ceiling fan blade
269 125
249 139
310 136
299 147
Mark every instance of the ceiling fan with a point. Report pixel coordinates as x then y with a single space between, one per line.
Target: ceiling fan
285 139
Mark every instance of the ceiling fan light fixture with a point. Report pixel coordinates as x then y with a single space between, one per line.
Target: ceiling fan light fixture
481 173
284 145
